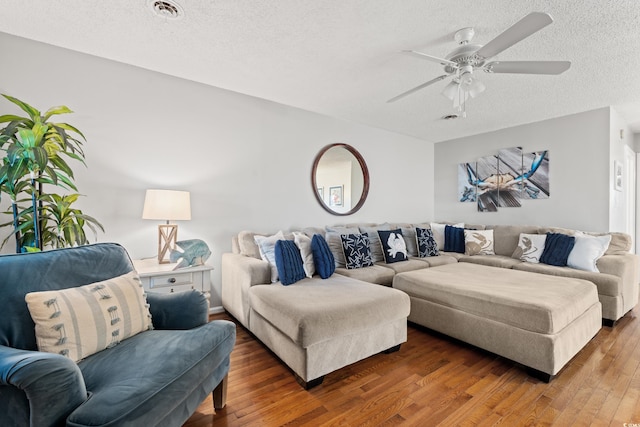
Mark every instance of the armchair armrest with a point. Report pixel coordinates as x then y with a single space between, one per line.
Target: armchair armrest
180 310
53 384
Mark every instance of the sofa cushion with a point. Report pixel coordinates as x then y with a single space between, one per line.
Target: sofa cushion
322 256
377 274
357 250
587 251
441 259
408 265
506 237
310 311
454 255
454 239
427 246
491 260
289 262
332 236
142 380
303 242
478 242
78 322
557 248
530 247
374 241
247 244
607 284
537 303
393 245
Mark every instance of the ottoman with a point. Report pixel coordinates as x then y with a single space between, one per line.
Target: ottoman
317 326
537 320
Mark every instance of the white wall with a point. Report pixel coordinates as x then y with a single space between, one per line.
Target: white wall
246 161
579 172
620 203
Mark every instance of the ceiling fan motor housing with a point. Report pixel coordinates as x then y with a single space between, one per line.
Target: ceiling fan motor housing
464 55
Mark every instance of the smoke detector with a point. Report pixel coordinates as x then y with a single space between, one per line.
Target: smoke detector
167 9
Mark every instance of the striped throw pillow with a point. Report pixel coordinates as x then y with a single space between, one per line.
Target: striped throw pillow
78 322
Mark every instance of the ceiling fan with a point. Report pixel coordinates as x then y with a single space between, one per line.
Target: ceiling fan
469 58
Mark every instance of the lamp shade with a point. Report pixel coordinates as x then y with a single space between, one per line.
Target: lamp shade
167 205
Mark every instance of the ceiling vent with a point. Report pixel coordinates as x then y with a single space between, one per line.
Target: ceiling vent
450 117
167 9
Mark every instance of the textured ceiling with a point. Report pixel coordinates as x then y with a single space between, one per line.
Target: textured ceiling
341 57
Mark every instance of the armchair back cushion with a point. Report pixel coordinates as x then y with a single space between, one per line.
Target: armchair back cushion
48 271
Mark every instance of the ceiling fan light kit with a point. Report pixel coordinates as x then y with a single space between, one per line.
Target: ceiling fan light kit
467 58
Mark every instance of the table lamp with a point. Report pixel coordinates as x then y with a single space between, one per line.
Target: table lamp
167 205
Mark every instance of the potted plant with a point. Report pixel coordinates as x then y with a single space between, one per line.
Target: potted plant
36 151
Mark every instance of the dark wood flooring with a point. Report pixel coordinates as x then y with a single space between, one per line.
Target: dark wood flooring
434 381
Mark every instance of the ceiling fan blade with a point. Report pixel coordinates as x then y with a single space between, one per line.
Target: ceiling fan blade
440 61
528 67
522 29
417 88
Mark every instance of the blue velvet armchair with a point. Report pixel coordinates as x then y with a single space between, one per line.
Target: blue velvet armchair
155 378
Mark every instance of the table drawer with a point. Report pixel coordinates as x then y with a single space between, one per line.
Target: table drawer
172 289
171 281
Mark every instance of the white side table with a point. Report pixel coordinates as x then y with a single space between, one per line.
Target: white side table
162 278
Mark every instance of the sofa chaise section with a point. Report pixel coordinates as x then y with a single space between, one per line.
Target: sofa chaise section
317 326
540 321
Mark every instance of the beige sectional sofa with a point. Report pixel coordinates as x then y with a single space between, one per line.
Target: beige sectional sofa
279 319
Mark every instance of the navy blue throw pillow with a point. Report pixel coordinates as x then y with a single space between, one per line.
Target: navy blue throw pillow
289 262
557 247
357 250
322 257
453 239
427 245
393 245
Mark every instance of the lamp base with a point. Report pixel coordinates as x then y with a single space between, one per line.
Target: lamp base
167 237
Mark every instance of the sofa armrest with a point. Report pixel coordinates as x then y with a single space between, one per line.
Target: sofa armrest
627 267
53 384
239 274
180 310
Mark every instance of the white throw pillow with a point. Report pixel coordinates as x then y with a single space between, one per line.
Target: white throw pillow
303 242
478 242
530 247
587 251
437 230
267 247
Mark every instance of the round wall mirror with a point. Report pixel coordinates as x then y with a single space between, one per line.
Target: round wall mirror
340 179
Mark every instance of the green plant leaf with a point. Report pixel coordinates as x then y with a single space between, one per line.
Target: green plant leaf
40 157
27 138
68 183
39 130
32 112
61 165
62 109
11 118
67 126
